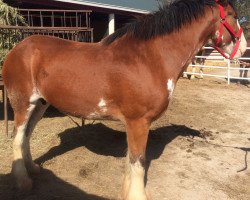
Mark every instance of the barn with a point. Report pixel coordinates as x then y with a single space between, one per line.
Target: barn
104 15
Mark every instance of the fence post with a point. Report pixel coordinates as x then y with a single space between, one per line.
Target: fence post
228 71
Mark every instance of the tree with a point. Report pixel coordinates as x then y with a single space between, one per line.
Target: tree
243 8
8 16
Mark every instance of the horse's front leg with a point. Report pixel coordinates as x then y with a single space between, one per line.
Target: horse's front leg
137 135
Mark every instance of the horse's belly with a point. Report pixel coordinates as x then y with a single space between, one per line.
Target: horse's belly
86 103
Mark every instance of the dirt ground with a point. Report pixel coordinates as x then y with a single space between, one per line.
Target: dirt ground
199 150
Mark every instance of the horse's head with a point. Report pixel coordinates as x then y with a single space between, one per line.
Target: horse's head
228 37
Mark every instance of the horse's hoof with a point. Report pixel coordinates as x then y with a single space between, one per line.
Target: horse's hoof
25 185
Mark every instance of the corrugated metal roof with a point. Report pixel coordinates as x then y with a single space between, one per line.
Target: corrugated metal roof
138 6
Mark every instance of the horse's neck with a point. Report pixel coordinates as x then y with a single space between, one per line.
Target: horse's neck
179 48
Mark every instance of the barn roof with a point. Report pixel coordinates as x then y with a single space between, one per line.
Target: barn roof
136 6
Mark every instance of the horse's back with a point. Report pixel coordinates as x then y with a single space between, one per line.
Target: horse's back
23 54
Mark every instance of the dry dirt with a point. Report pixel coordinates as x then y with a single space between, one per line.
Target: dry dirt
199 150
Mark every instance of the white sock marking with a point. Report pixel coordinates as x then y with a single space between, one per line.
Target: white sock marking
136 189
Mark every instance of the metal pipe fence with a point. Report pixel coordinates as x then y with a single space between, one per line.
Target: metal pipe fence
227 66
55 18
10 35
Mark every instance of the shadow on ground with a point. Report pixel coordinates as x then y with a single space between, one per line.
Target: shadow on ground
99 139
103 140
239 81
47 186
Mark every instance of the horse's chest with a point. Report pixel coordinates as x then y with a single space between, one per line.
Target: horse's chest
161 98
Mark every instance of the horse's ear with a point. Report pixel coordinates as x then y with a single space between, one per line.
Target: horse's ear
223 2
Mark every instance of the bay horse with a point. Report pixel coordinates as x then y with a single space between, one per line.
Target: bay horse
129 76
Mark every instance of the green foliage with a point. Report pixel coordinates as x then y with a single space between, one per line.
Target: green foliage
243 8
8 17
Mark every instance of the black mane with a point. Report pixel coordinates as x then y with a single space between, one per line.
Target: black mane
168 18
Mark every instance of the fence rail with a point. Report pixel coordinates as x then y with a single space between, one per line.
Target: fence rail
229 66
13 34
55 18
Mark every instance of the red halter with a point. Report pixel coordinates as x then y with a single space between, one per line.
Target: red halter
235 35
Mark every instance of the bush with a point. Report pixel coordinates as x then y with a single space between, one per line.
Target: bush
8 16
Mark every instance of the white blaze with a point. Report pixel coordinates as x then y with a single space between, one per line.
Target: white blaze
243 44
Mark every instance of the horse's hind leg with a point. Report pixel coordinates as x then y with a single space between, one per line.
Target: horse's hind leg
137 135
26 116
40 108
